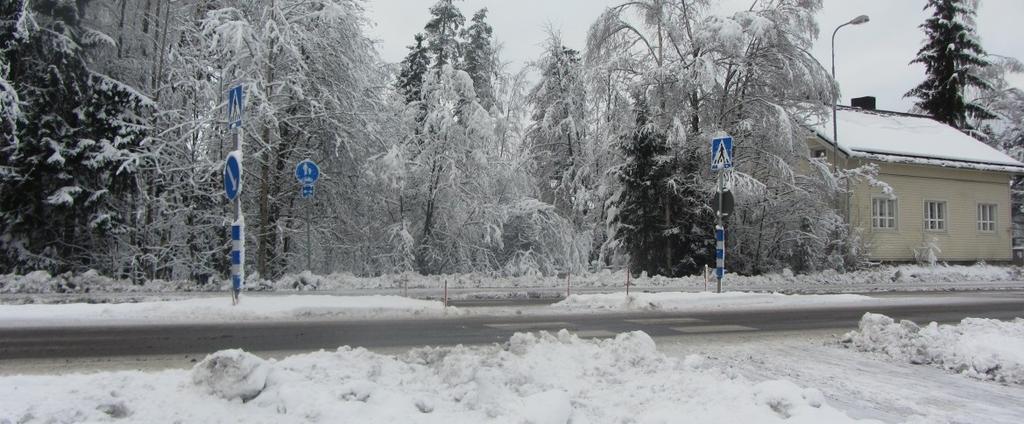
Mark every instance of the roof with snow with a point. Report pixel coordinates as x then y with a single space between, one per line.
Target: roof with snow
905 138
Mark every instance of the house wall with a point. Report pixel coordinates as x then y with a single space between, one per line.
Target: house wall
962 190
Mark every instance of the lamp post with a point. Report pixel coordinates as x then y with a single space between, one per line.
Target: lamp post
835 127
856 20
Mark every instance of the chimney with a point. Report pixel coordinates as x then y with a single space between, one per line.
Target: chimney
866 103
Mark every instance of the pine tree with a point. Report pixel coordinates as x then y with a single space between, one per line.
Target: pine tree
952 55
414 68
442 34
479 59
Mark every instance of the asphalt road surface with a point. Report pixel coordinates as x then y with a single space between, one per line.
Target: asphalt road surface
175 339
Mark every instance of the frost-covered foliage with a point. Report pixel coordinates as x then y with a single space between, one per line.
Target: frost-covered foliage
981 348
76 142
748 75
953 59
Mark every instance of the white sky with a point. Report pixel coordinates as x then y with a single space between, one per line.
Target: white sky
871 59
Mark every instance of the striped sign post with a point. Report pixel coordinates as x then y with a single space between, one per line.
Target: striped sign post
237 257
233 190
719 255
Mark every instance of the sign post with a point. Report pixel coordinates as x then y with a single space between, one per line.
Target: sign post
307 172
233 190
721 159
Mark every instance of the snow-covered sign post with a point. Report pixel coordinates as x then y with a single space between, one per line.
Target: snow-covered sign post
233 190
307 172
721 159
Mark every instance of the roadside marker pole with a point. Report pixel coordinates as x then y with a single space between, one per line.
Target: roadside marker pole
445 293
627 282
567 276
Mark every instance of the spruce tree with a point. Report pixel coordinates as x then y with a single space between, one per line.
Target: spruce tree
442 34
952 55
478 59
66 179
414 68
661 222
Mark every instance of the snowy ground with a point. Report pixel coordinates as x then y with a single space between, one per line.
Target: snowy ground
220 309
541 378
313 307
545 378
861 384
40 287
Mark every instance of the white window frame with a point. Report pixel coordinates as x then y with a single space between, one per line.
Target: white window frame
987 224
891 219
819 153
940 222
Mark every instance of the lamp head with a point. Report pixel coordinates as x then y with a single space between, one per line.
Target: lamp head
862 19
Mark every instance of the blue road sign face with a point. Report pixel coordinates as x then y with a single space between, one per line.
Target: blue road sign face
232 177
236 102
721 153
307 172
307 191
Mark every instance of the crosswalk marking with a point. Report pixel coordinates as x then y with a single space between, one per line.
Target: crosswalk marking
530 325
713 329
659 321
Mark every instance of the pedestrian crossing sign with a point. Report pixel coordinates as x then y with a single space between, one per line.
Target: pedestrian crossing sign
721 153
236 104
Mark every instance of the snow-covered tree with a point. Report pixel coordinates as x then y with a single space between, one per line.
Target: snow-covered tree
443 32
414 69
69 169
556 134
479 59
953 57
748 75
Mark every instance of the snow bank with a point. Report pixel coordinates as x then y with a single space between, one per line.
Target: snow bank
532 378
907 277
981 348
675 301
252 308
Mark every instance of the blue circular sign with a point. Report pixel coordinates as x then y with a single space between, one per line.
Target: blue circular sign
232 176
307 172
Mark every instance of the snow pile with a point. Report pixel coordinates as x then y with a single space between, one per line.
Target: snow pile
673 301
232 374
219 309
981 348
533 378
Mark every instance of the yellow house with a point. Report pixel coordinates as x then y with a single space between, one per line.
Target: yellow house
950 194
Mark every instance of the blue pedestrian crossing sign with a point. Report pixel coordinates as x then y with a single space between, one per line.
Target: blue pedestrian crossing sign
233 176
236 104
721 153
307 172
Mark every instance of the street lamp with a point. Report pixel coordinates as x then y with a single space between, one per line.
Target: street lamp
835 127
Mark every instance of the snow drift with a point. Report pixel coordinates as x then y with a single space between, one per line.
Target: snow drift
982 348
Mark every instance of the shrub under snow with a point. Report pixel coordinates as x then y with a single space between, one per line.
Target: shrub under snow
982 348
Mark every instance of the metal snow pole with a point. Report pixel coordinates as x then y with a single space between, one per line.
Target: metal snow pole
719 238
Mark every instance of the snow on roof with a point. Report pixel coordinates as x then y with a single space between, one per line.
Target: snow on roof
905 138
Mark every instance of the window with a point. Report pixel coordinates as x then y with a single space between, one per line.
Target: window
935 216
986 217
883 213
818 153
